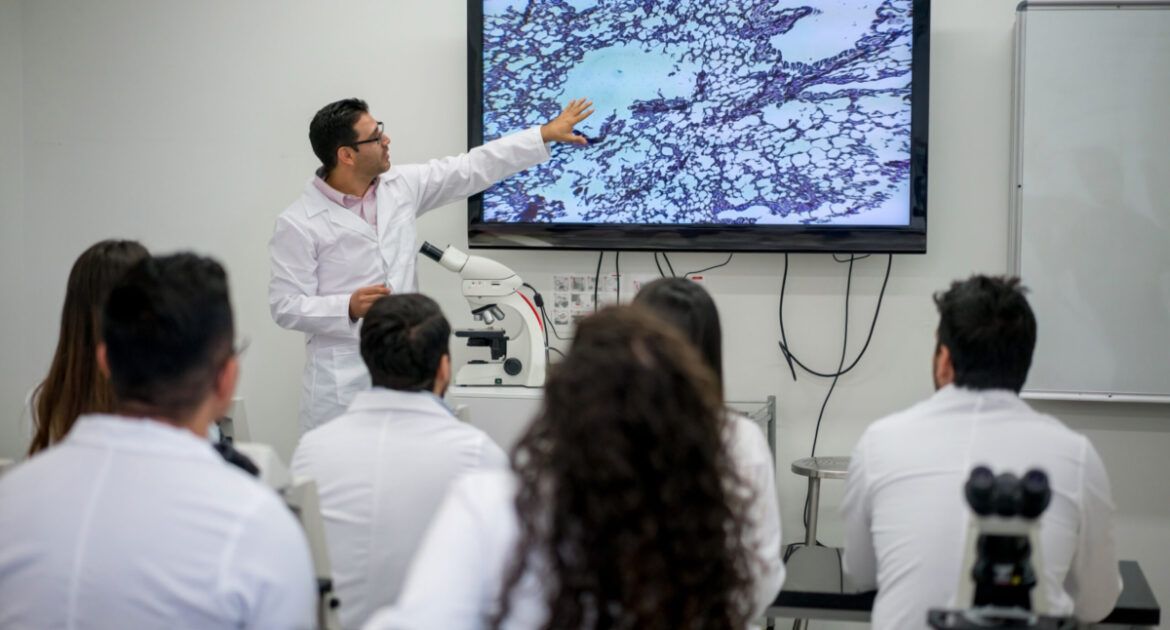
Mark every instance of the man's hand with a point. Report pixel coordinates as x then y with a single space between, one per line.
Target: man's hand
363 299
560 129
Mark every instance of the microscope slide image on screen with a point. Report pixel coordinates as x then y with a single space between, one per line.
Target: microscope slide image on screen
752 112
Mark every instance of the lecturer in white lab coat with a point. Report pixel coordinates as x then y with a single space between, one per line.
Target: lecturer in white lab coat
350 237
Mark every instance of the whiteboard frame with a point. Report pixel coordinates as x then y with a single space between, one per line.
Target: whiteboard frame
1015 218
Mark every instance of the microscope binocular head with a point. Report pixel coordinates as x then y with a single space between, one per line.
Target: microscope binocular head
1006 495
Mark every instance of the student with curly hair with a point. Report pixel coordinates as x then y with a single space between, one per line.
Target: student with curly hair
623 508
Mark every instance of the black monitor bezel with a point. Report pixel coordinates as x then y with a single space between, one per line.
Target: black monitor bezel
910 239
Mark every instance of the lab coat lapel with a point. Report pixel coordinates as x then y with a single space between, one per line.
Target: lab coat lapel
339 216
385 204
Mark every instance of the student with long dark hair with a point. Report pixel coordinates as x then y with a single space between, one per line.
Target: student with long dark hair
686 305
74 385
623 508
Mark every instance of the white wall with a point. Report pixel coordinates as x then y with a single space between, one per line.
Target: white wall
15 313
184 125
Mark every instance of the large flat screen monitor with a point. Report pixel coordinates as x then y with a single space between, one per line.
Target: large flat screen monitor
720 126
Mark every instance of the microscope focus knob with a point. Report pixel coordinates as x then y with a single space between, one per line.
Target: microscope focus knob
512 366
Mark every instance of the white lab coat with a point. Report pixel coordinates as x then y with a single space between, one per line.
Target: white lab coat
906 518
133 523
321 253
382 468
456 576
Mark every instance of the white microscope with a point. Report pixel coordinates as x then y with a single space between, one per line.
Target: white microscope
514 332
999 589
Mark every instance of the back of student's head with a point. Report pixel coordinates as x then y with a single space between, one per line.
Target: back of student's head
168 332
74 385
626 487
403 340
989 329
687 305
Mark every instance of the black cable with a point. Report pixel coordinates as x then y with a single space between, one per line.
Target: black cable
791 358
784 337
840 570
832 386
558 352
669 265
597 279
661 274
722 264
837 374
548 321
538 300
617 271
841 370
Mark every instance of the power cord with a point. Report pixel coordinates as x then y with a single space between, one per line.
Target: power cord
722 264
661 274
617 271
841 369
791 358
669 265
597 279
538 300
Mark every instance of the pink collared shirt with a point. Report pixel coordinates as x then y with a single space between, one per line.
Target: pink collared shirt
365 206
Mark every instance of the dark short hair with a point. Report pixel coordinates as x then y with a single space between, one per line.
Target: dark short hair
332 128
168 329
986 324
688 306
403 340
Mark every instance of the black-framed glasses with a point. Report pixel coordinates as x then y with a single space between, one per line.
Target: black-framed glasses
378 133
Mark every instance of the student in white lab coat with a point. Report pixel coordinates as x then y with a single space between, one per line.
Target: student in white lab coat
384 465
350 237
688 306
133 520
905 514
624 508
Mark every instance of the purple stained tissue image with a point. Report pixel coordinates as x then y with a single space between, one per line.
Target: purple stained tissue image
766 112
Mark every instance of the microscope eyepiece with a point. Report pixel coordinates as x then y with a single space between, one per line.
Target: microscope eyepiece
1035 494
430 251
978 490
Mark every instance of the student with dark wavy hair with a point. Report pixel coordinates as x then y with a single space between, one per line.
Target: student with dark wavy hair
623 508
688 306
74 385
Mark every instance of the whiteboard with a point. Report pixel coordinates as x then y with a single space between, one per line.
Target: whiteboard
1091 196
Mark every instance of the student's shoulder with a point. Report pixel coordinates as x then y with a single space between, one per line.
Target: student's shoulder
1056 434
746 436
240 493
899 425
485 486
300 211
